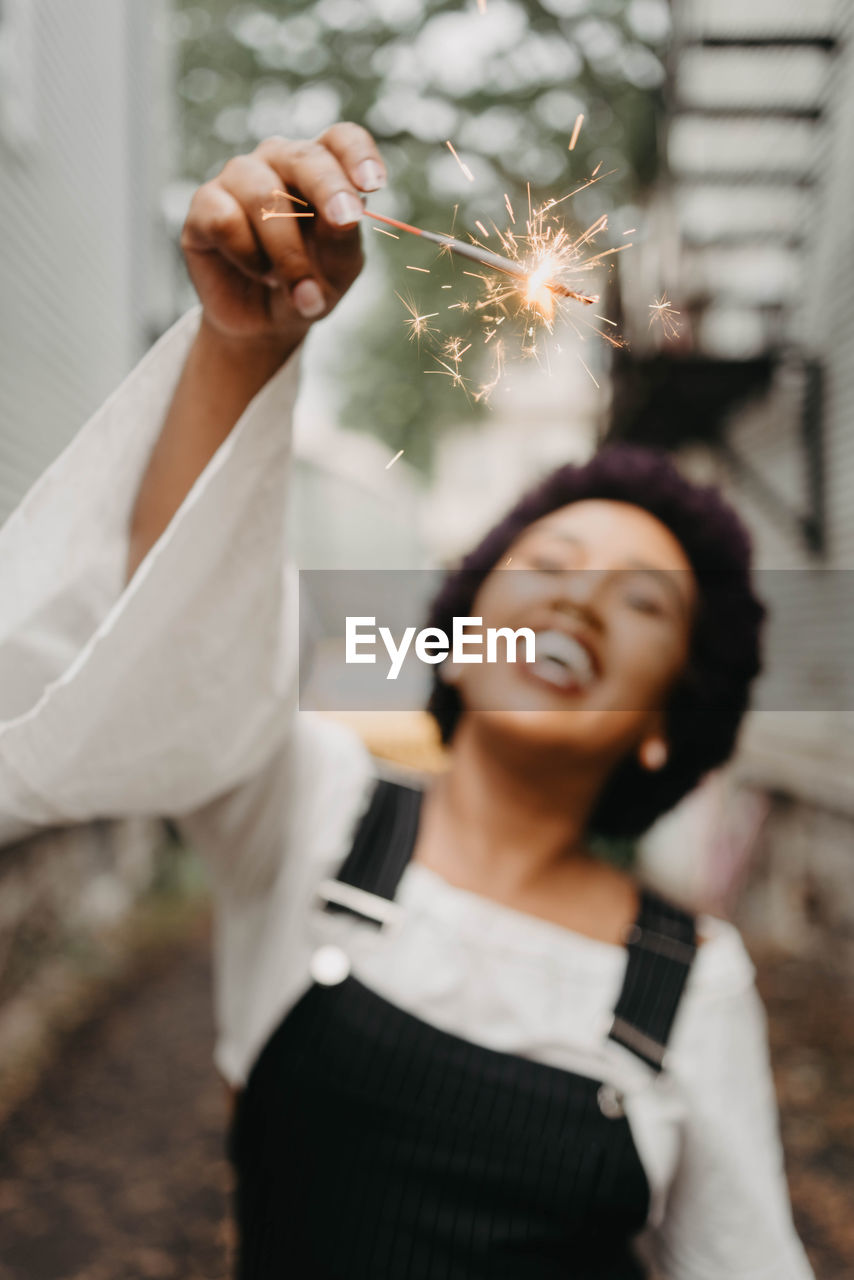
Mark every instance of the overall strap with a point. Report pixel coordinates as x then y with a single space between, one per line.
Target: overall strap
661 946
381 849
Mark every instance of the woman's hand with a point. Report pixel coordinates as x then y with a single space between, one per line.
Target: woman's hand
264 280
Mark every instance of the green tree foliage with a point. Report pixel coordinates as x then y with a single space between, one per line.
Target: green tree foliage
505 86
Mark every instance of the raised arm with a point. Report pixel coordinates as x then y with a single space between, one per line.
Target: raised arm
262 282
160 693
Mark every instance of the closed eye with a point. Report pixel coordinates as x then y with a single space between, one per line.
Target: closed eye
545 564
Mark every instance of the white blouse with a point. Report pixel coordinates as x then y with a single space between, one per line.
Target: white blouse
176 695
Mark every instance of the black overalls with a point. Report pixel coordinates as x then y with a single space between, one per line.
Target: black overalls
370 1145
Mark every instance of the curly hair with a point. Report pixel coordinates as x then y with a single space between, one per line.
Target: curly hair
706 706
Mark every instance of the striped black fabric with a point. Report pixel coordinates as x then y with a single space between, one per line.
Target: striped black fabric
661 947
384 840
369 1144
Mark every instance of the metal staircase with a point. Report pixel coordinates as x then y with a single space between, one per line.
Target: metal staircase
746 145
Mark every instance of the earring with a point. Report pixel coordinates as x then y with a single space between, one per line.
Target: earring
653 754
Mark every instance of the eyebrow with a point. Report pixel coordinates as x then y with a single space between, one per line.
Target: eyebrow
633 563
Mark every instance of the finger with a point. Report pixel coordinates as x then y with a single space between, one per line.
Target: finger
311 170
275 223
217 223
357 153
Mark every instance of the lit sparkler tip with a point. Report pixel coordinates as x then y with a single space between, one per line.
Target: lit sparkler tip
536 272
576 130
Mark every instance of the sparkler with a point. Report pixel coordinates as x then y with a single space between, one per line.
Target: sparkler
537 273
541 273
539 269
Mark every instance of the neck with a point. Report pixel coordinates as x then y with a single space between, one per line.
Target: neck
508 810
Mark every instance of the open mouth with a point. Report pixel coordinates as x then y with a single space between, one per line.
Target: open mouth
562 661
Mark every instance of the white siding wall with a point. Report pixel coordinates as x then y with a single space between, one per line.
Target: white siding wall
83 281
80 266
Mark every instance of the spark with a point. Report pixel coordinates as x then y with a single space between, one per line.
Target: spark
596 170
418 324
278 213
266 214
393 460
481 228
509 207
424 270
607 321
630 231
662 310
606 253
286 195
454 350
464 167
383 232
576 130
446 286
589 374
487 388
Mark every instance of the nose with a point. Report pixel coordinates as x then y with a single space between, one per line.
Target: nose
577 592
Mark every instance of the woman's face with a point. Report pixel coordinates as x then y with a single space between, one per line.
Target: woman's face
610 596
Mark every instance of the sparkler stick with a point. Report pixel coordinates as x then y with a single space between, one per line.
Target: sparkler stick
485 257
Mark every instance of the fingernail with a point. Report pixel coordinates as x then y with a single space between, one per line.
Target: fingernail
308 299
370 176
271 281
343 209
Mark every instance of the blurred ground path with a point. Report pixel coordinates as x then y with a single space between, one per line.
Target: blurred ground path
114 1170
811 1031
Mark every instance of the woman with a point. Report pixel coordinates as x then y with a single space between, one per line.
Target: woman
463 1046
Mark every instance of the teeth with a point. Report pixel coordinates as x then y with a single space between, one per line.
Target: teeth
562 660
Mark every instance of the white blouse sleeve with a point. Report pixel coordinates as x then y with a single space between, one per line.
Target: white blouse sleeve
727 1216
157 696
